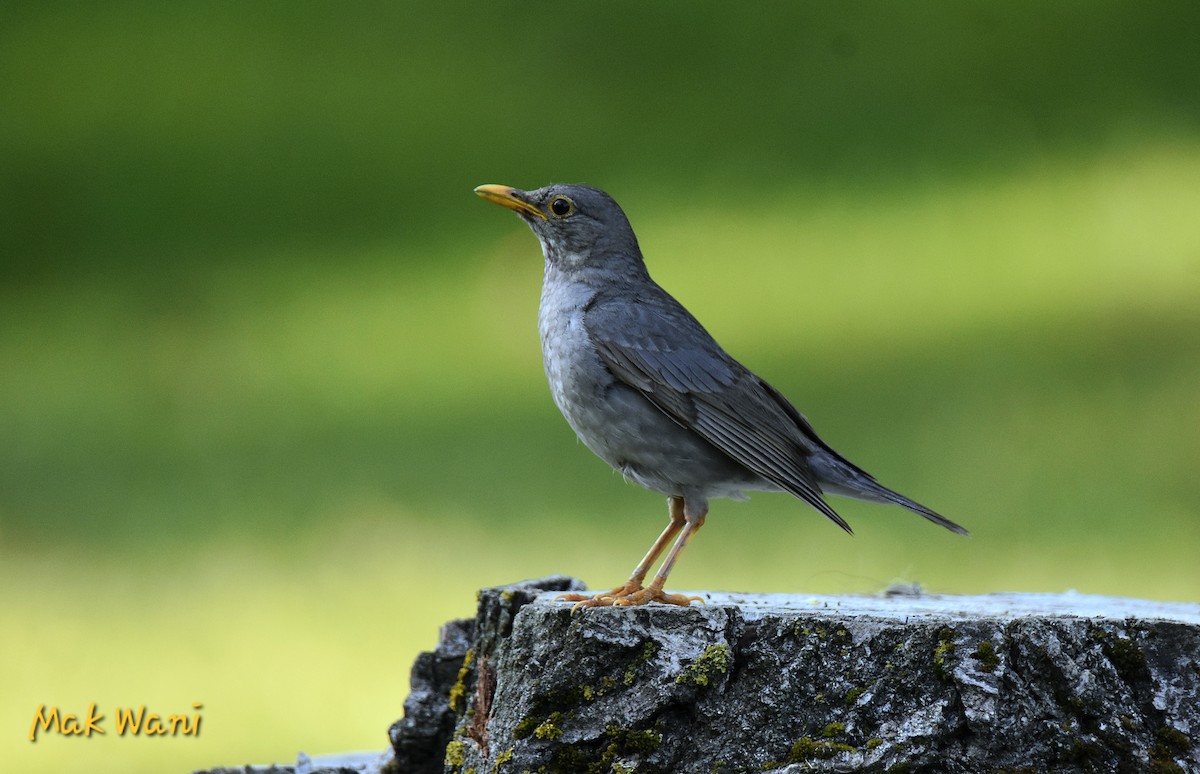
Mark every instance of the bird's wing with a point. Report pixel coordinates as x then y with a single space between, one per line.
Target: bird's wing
651 343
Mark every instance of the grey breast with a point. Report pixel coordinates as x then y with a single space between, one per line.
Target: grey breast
615 421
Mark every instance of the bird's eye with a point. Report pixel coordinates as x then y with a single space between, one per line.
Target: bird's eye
561 206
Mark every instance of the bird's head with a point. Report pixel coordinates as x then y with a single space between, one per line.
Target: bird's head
578 226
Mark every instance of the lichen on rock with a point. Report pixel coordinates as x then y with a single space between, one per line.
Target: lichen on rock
924 683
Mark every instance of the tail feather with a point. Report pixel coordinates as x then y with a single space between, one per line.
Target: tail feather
915 507
841 477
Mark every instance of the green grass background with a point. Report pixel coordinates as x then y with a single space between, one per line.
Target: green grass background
271 405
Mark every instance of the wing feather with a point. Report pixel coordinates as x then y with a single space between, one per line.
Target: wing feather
662 351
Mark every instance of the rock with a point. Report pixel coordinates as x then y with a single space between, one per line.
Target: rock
419 739
341 763
905 682
444 681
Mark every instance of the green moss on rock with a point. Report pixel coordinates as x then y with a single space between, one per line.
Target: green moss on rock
570 758
714 661
1126 656
501 759
1169 744
621 742
456 754
985 654
808 749
943 652
526 726
459 689
641 742
649 649
548 729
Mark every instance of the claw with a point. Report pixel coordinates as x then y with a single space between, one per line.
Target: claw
628 595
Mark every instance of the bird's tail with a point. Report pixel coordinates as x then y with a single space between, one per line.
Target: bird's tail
895 497
841 477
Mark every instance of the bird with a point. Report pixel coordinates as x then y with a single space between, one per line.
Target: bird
649 391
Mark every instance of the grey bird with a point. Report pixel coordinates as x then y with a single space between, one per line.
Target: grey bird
650 392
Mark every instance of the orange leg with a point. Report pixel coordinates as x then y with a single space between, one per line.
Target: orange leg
675 506
632 591
693 526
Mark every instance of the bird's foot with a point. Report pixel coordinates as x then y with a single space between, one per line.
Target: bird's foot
628 595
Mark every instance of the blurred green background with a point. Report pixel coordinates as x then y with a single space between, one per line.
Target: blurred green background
271 401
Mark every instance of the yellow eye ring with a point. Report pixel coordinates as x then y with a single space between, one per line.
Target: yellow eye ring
561 206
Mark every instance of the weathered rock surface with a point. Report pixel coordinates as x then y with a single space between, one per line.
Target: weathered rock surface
340 763
903 683
441 680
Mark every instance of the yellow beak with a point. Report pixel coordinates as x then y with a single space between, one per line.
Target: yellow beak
509 197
